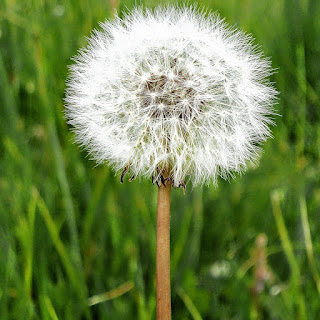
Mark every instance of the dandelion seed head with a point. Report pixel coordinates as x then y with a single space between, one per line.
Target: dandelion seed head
171 88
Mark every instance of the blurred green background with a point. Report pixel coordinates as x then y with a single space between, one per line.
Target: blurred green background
77 244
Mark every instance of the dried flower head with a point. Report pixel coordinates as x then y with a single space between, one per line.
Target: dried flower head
171 89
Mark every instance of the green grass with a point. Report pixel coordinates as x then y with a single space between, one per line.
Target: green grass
72 236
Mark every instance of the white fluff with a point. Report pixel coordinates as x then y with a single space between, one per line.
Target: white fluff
171 88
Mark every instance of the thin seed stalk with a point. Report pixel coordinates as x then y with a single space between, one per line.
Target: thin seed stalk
163 253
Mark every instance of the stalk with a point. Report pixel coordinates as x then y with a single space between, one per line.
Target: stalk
163 253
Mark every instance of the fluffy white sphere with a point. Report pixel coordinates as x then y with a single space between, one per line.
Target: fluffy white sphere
171 89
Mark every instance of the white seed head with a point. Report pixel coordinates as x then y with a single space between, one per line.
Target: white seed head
172 88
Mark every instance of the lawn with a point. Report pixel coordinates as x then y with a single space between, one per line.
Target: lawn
75 243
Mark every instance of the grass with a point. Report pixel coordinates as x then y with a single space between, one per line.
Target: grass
76 244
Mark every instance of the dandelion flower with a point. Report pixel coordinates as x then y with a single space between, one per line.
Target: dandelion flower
170 93
171 89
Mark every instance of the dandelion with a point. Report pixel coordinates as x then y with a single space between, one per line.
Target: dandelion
171 94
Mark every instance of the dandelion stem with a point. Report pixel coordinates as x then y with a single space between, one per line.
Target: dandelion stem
163 253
